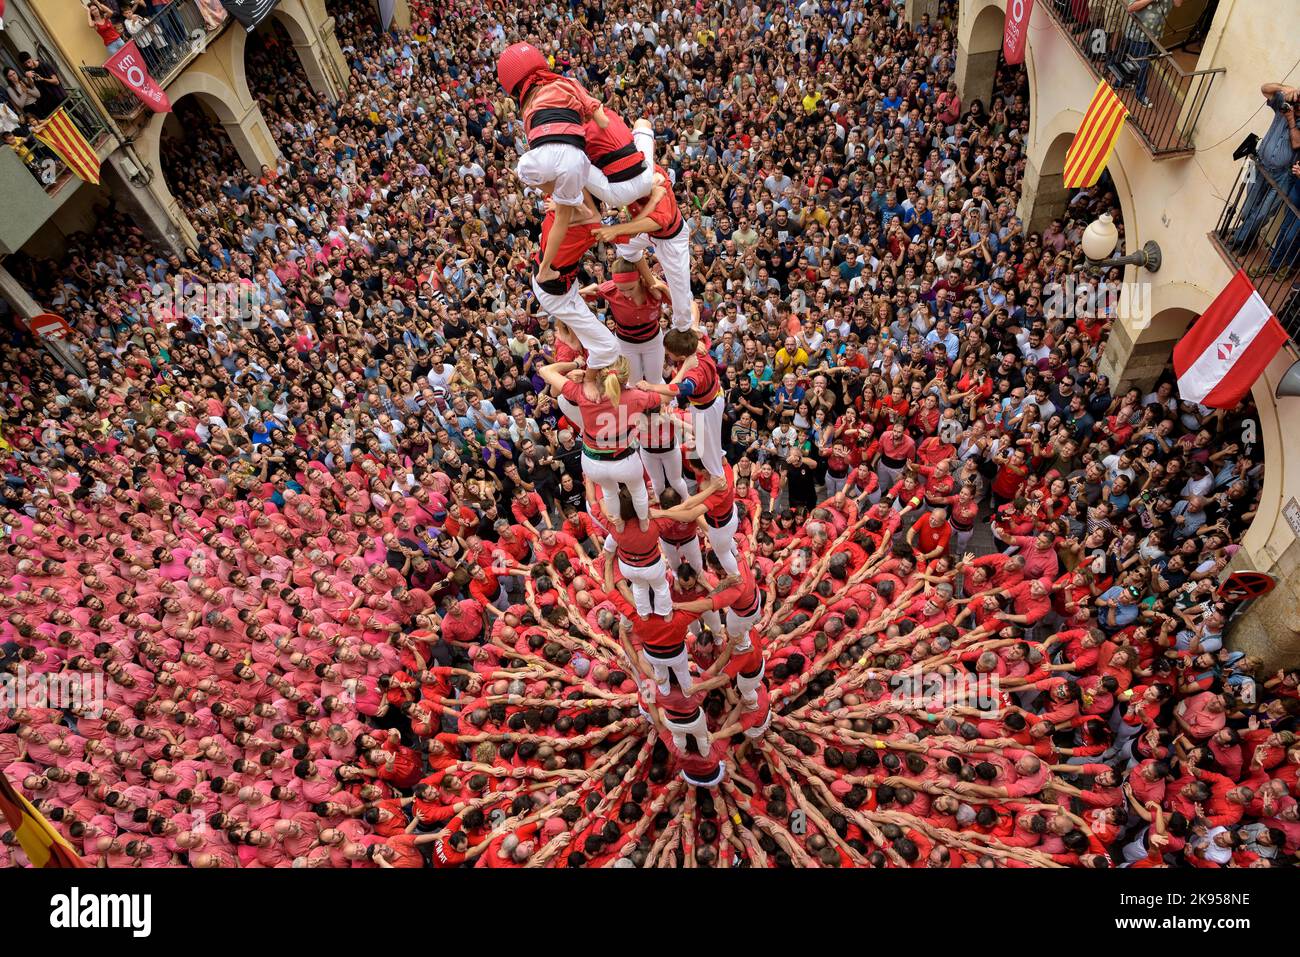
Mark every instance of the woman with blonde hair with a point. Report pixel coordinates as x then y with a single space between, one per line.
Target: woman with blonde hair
609 413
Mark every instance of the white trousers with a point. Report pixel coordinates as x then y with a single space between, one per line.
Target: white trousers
738 626
748 687
674 256
693 556
711 782
629 191
698 729
723 542
689 553
714 622
609 474
502 600
1135 850
602 345
962 538
665 469
570 410
707 423
645 360
758 730
649 581
679 665
888 477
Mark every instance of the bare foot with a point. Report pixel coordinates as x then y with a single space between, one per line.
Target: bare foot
645 524
584 215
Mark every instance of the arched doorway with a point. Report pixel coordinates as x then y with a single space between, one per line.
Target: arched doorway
278 81
979 54
357 14
298 51
196 153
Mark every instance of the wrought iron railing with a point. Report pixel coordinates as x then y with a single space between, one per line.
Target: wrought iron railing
85 117
120 102
1259 231
178 33
1163 98
44 163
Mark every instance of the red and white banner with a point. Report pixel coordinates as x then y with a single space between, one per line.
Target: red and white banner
129 67
1016 30
1228 348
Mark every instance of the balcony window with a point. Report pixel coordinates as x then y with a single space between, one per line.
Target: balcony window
1146 59
43 163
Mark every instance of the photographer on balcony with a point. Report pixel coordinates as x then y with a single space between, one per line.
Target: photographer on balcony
1274 156
1138 45
1286 246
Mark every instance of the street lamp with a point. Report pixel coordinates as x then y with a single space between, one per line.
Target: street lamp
1100 239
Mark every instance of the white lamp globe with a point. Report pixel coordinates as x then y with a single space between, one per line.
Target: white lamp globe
1100 238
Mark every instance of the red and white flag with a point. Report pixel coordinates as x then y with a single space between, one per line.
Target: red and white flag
129 67
1016 30
1228 348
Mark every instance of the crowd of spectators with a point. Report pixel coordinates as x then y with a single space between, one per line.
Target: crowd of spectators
331 554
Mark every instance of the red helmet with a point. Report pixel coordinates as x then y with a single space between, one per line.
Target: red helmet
518 62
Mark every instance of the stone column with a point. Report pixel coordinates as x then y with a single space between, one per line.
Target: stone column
14 294
335 62
1139 346
27 307
318 73
1043 197
915 8
163 219
1270 628
975 72
252 138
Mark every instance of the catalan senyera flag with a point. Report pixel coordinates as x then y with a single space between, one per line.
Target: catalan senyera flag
60 134
44 846
1096 138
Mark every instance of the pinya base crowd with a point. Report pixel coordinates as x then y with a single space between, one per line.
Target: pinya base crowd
368 584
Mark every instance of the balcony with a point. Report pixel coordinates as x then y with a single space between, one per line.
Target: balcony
50 171
34 190
1259 231
1122 51
167 44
